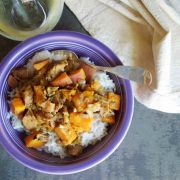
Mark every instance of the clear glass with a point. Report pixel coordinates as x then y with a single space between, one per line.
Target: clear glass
9 29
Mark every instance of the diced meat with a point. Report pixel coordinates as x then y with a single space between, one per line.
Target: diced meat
105 109
58 107
59 98
77 75
66 116
21 73
51 90
47 106
40 116
109 119
114 101
43 117
89 71
81 100
66 133
17 106
56 69
41 64
41 75
73 63
74 150
27 95
94 107
50 124
39 94
12 82
68 93
61 80
17 94
29 121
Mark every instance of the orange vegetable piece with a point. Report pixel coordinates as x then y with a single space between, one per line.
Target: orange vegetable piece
77 75
81 120
61 80
39 95
17 105
40 65
66 133
109 119
114 101
89 71
35 140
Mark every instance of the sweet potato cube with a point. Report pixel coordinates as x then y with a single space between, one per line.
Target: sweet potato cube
17 105
89 71
77 75
109 119
81 120
61 80
66 133
114 101
40 65
39 95
35 140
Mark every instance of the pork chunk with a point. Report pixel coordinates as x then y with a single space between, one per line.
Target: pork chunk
29 120
27 95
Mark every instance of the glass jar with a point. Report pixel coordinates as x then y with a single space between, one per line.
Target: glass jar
8 28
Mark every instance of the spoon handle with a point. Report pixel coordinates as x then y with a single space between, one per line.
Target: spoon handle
136 74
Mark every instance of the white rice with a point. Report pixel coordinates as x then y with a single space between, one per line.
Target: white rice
53 147
16 123
97 132
86 59
98 128
105 81
39 56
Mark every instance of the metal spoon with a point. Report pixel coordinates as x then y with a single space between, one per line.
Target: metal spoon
28 14
136 74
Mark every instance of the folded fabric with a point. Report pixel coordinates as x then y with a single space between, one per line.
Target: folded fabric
142 33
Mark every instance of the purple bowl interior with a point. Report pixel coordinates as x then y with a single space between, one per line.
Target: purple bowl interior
83 46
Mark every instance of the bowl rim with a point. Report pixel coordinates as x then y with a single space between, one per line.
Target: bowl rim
72 168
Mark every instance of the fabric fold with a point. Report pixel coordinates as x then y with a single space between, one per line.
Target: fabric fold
142 33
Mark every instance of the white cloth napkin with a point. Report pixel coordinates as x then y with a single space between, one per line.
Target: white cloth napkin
142 33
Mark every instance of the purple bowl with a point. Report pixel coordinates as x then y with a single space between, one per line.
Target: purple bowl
83 45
